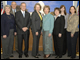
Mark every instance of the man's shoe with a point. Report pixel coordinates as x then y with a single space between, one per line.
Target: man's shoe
26 55
20 56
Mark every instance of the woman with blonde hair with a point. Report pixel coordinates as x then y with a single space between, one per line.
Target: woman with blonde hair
36 29
8 28
47 29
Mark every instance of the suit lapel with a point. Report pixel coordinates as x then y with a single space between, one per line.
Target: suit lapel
37 15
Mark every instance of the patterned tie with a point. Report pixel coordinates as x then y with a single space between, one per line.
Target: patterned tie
14 12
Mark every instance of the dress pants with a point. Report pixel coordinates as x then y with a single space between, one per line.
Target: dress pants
7 44
24 36
71 44
58 45
35 42
64 41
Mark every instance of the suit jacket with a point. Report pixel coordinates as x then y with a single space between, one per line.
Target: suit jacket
12 11
22 22
59 24
35 21
72 24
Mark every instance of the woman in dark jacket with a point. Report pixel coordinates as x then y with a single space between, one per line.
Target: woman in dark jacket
8 28
58 32
36 29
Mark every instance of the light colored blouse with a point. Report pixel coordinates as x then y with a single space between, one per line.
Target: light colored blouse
66 19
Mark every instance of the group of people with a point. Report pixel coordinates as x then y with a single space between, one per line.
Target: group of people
62 27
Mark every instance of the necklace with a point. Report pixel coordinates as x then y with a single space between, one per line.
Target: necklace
9 17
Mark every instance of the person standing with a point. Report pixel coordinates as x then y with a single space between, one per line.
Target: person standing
36 29
65 14
13 11
8 30
22 19
47 29
72 32
58 32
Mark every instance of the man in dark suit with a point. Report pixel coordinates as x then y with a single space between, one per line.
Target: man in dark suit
22 18
14 9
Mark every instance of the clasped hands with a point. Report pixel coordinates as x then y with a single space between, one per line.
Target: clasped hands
24 29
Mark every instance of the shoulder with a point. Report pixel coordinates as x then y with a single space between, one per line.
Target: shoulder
3 14
51 15
27 12
11 14
33 13
18 12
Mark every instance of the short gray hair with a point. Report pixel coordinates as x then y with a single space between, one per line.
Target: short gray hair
7 6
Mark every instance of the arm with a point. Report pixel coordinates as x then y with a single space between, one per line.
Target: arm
2 25
14 24
75 24
29 22
51 24
62 24
17 21
33 22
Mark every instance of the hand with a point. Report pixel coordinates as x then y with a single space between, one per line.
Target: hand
49 34
60 35
15 33
72 35
4 36
24 29
36 33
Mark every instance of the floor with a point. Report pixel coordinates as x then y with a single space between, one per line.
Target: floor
40 57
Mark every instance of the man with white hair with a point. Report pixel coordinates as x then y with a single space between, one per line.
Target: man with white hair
14 9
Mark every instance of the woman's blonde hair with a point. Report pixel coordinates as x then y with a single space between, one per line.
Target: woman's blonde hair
7 6
35 6
46 6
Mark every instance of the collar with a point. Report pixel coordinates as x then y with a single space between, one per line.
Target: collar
58 16
13 9
22 11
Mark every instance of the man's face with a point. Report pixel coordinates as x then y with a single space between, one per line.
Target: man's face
13 5
23 7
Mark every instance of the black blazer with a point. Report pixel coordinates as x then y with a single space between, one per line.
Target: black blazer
59 24
35 21
21 21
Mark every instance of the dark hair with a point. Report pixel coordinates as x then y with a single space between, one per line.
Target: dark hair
64 8
70 9
57 9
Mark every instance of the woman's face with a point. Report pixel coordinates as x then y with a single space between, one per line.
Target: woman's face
46 10
7 9
72 10
37 8
62 9
56 12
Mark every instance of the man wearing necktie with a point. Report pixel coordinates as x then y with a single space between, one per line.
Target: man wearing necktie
22 19
13 10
